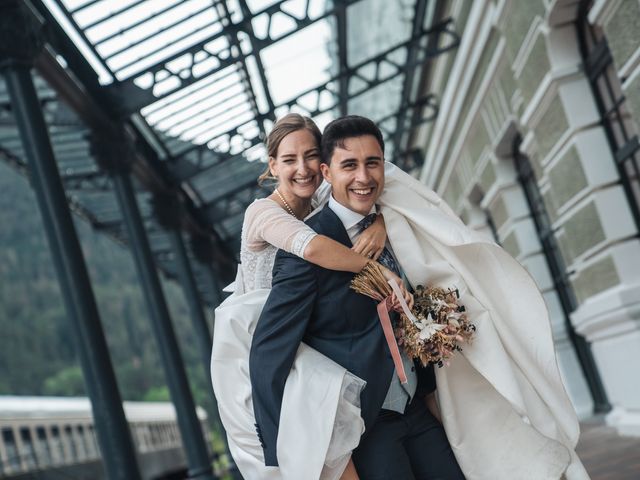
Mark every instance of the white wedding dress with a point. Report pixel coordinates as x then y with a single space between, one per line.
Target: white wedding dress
320 423
503 403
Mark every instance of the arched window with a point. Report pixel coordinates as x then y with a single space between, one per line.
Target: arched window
622 134
559 274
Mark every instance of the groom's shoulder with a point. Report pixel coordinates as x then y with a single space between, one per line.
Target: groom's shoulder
287 264
318 220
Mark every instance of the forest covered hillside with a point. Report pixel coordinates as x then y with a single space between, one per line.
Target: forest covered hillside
37 354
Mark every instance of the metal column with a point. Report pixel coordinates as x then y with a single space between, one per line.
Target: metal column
168 211
114 438
203 251
114 154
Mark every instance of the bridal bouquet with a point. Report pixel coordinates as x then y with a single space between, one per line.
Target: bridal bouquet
436 326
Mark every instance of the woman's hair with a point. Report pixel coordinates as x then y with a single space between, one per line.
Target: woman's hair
292 122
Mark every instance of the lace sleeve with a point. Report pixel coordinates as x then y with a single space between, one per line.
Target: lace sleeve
266 223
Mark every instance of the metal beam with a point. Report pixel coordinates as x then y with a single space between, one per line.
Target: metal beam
360 71
420 10
83 36
19 30
173 366
264 83
341 17
96 109
125 89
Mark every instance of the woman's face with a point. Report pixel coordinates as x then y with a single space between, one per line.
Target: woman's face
297 164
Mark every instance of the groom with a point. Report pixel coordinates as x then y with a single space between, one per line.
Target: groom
402 439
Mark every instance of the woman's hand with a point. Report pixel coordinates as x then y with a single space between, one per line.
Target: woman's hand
350 472
408 297
371 241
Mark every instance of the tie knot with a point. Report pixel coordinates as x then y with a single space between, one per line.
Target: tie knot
367 221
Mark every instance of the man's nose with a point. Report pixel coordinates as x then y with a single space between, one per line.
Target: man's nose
362 174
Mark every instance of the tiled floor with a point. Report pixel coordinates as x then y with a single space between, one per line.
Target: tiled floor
607 455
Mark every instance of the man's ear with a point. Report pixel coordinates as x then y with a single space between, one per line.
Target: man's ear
326 172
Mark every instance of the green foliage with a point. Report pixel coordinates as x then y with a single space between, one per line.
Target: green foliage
157 394
66 383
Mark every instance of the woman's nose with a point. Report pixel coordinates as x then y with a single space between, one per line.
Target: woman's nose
302 166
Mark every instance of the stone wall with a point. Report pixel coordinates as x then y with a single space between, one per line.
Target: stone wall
518 74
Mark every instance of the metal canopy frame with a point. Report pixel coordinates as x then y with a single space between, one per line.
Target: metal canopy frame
197 108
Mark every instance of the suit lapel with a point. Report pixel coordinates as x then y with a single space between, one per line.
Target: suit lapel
332 226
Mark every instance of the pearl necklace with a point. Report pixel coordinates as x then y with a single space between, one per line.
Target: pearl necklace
287 206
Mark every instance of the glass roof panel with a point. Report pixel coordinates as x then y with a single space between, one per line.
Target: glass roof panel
132 35
298 63
202 85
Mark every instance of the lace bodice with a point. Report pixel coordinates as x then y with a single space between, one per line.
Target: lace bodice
267 227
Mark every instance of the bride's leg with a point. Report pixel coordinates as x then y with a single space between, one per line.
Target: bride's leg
350 472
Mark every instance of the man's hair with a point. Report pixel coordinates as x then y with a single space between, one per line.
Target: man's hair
337 131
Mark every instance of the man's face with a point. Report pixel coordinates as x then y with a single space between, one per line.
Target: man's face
356 173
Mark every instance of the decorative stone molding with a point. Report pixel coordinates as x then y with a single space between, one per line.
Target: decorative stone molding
561 12
615 311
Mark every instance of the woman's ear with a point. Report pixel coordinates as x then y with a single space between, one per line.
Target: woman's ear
272 167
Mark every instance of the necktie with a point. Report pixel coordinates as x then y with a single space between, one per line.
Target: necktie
385 257
388 261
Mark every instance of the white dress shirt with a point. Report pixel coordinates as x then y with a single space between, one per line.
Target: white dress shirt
398 394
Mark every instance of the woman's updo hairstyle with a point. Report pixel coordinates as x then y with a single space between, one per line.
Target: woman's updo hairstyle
291 122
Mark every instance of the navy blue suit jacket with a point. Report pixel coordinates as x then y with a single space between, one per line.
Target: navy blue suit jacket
310 304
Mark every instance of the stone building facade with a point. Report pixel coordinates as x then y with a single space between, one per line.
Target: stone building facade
536 143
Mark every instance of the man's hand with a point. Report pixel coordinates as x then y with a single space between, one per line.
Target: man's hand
372 240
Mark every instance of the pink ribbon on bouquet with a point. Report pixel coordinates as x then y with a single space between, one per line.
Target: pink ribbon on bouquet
383 312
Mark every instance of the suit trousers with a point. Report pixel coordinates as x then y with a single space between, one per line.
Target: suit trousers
409 446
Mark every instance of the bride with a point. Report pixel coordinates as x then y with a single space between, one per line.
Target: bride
503 404
332 420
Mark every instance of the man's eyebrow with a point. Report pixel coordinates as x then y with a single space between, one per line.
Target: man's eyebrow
345 160
353 159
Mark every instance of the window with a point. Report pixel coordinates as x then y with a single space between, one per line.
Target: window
57 447
27 451
43 451
73 449
81 443
559 275
93 442
618 124
13 459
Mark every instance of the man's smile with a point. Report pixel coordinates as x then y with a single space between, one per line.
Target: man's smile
362 192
